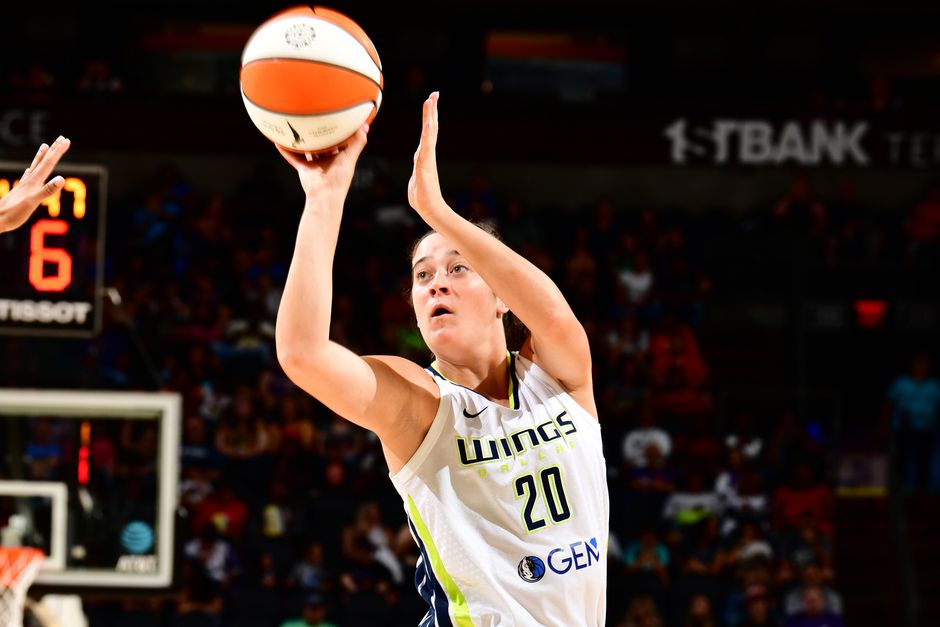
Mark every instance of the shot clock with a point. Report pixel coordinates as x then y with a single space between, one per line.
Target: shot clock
51 268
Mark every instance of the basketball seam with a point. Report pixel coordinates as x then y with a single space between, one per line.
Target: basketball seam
308 115
327 63
351 34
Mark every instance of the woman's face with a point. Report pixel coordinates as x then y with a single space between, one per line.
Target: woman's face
454 307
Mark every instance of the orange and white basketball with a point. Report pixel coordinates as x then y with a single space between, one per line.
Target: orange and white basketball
310 77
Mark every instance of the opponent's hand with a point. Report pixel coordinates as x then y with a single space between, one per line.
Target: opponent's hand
424 188
328 177
20 202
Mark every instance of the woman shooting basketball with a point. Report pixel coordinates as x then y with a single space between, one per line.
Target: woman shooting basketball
497 455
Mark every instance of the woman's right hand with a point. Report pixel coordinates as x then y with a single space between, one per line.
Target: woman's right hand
327 178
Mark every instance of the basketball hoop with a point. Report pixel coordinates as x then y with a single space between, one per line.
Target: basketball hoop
18 569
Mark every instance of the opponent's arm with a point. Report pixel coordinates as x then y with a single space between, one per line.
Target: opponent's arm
20 202
559 341
383 394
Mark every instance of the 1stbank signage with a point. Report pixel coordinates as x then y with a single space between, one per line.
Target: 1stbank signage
756 142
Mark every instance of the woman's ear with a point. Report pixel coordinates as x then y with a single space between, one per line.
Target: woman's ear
501 308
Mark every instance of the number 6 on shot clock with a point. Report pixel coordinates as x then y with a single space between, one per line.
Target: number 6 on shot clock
53 265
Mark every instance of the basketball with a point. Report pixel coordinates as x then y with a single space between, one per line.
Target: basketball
310 77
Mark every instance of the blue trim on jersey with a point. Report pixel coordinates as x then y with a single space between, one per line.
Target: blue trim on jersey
429 588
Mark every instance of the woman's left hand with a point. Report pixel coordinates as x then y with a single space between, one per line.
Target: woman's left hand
424 188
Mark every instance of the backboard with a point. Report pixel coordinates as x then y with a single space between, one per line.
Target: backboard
91 479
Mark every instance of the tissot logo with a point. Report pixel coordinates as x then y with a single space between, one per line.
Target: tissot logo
467 414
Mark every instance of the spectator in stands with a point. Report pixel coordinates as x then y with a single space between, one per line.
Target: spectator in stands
581 277
804 495
646 490
913 404
647 561
648 555
815 612
195 486
199 598
276 525
519 228
686 510
700 569
249 341
366 597
700 613
647 432
642 613
638 281
242 440
726 484
678 370
698 447
43 453
478 200
754 572
747 501
625 393
314 614
749 545
853 242
310 574
256 599
367 540
197 448
216 555
800 212
788 445
803 547
706 560
744 437
811 576
224 512
758 608
138 453
923 229
299 426
628 339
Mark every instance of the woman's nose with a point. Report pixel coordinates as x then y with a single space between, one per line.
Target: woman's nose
439 284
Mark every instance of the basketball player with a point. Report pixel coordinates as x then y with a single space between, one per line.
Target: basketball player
497 455
20 202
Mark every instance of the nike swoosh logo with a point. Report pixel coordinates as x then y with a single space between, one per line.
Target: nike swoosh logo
467 414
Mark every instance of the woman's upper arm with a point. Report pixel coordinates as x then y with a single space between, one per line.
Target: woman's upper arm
566 356
381 393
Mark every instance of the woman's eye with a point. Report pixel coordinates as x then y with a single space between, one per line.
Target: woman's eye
422 275
459 268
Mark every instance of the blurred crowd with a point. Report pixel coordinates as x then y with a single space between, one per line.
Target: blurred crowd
721 515
287 517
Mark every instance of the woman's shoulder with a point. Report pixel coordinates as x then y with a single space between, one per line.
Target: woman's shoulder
525 366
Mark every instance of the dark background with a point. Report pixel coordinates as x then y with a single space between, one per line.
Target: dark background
773 303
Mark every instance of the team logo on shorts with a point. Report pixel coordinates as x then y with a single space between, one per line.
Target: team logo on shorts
531 568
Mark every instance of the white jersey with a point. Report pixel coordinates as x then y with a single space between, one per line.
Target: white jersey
509 507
